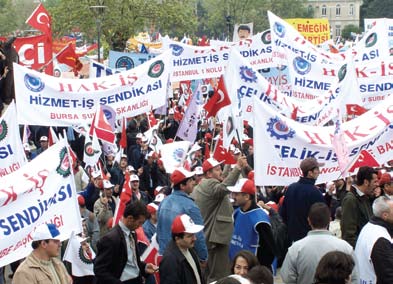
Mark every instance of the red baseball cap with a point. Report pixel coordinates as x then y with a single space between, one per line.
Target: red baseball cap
209 164
152 208
81 200
243 185
180 174
184 224
386 178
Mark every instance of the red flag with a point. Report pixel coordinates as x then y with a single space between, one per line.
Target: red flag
68 56
52 138
152 119
218 100
365 158
207 150
41 20
102 127
123 139
150 255
222 154
354 109
74 159
125 197
34 52
294 113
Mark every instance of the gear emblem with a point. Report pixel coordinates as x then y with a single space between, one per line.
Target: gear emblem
279 129
248 75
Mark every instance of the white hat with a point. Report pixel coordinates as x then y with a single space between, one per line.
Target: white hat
159 197
130 168
184 224
44 138
134 178
195 148
198 171
180 174
243 185
144 138
107 184
124 156
209 164
139 136
96 174
171 111
46 232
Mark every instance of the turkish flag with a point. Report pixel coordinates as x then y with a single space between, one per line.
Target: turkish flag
68 57
123 139
354 109
222 154
125 197
41 20
365 158
218 100
34 52
102 127
152 119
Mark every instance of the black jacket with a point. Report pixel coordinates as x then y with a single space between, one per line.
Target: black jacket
112 257
382 254
299 197
175 269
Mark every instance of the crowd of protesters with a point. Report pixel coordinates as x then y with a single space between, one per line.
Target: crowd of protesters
212 224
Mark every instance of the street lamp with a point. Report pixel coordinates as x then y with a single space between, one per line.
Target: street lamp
98 12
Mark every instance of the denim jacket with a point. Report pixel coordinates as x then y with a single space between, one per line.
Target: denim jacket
175 204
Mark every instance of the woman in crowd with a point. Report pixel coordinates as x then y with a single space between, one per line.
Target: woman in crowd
335 267
243 262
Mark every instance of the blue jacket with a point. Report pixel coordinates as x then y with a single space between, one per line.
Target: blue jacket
297 202
176 204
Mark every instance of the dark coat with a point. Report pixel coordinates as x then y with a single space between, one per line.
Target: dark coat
356 212
300 196
112 257
174 267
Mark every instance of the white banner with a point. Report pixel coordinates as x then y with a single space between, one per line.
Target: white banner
312 71
286 143
200 62
66 102
12 154
37 193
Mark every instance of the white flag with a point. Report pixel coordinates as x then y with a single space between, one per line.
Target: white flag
174 154
80 255
91 150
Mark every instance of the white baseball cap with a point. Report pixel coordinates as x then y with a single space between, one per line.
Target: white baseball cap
46 232
134 178
96 174
184 224
159 197
209 164
107 184
198 171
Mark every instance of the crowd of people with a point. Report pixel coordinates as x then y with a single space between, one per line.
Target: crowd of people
211 222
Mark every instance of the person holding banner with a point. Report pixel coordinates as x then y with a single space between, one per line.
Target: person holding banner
118 258
212 197
42 265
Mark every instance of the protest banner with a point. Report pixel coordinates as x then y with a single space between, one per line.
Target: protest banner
317 31
286 143
37 193
12 154
201 62
128 60
97 70
313 71
66 102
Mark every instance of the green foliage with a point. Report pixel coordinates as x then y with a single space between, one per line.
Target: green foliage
346 31
375 9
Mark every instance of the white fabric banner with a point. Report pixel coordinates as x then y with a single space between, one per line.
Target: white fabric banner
37 193
313 71
173 154
286 143
66 102
12 154
200 62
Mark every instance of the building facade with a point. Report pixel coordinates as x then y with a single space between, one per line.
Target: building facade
339 13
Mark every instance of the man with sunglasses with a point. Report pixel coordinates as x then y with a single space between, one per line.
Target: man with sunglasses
179 202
